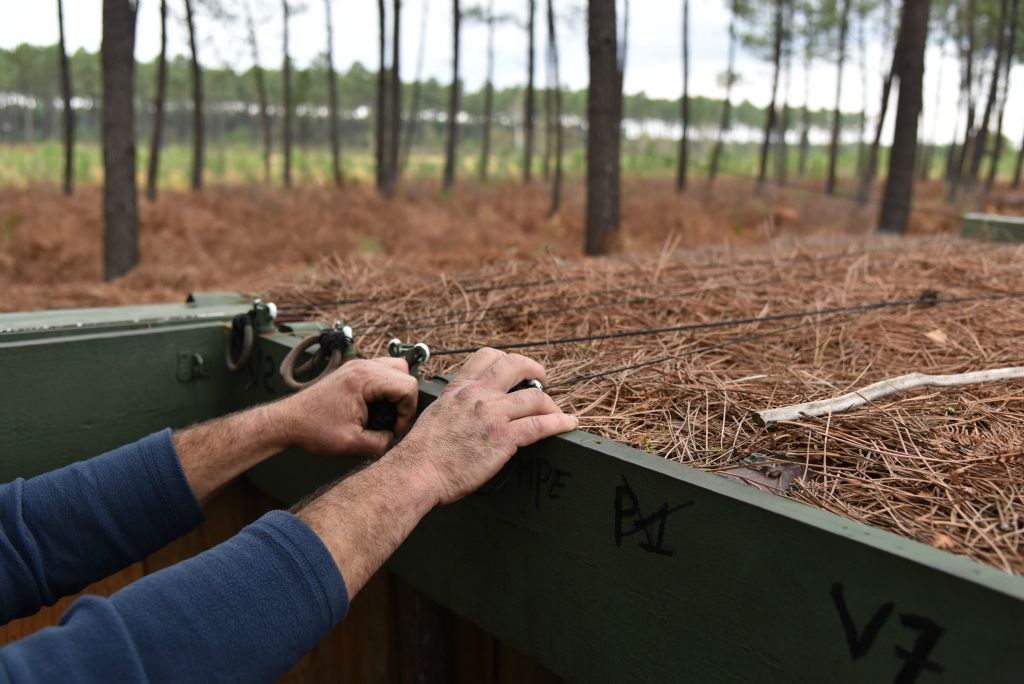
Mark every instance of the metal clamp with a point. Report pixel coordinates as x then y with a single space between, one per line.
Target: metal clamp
243 333
414 354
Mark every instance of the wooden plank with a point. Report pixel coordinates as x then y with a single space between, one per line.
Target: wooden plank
68 398
993 227
604 563
59 322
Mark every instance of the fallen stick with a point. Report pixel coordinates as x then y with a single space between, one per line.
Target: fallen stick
884 388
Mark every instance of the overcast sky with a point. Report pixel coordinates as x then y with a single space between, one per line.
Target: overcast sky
653 64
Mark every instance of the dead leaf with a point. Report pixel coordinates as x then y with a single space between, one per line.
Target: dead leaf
938 337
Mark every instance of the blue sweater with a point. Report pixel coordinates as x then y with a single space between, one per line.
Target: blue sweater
246 610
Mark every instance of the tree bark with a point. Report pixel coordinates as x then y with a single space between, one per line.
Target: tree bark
981 141
556 89
485 147
997 150
805 112
286 77
769 125
152 178
1019 167
120 201
603 141
382 101
993 165
956 176
528 106
198 136
833 151
69 113
453 102
684 139
726 122
332 99
414 105
261 93
871 166
899 186
395 135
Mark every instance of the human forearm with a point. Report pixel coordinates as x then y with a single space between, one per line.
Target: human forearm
364 518
328 419
214 453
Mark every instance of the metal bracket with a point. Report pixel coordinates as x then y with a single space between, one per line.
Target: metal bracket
191 366
414 354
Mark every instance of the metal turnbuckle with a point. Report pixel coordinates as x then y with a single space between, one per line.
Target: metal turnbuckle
414 354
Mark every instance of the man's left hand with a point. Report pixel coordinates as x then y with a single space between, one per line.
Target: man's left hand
330 417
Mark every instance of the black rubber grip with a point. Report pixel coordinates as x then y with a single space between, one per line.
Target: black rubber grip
381 415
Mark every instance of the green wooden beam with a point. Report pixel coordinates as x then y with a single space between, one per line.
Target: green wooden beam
197 308
79 382
605 563
993 227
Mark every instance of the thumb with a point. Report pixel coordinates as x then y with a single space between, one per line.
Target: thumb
373 442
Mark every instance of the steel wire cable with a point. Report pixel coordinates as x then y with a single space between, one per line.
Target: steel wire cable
924 300
693 268
575 380
567 309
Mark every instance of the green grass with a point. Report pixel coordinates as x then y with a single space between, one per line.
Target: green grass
239 164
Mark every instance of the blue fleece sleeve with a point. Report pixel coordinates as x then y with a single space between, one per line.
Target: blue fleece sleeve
244 611
75 525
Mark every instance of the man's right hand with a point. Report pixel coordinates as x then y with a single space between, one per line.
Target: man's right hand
468 434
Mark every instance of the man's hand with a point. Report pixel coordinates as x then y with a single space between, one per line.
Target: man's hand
465 437
329 418
461 441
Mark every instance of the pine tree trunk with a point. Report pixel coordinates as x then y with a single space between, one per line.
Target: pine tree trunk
156 143
485 147
805 111
956 177
1011 49
198 135
528 106
451 146
603 140
981 142
261 93
414 104
769 125
69 113
395 101
899 186
684 139
726 121
871 166
1019 167
380 116
332 99
120 197
556 88
833 152
286 78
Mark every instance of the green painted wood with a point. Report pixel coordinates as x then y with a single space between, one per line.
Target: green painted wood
57 322
66 398
993 227
604 563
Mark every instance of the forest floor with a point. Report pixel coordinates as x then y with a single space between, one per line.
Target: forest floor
249 238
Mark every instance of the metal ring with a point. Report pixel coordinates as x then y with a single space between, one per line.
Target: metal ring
289 369
248 340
